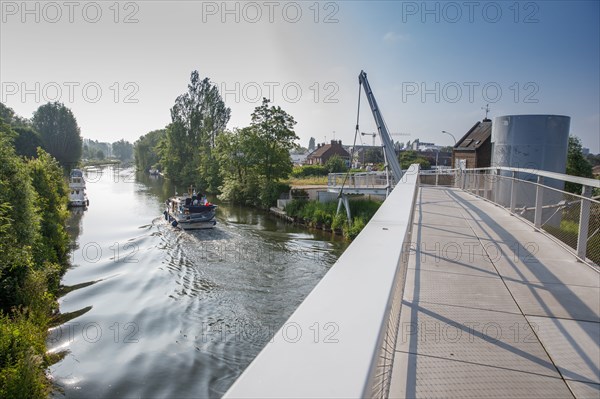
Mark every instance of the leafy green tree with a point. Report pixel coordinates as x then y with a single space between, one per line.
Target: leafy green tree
311 144
275 136
27 141
374 155
52 195
198 117
146 150
122 150
577 164
59 132
254 159
20 220
100 155
409 157
32 238
11 118
336 164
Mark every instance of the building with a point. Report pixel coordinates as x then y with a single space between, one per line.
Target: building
298 159
474 149
325 151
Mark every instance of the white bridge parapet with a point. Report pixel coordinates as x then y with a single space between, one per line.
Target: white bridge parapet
337 343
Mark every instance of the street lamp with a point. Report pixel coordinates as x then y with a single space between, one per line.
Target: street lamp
451 135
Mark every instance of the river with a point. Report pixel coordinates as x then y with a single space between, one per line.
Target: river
153 312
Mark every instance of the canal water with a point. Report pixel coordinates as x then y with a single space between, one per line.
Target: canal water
149 311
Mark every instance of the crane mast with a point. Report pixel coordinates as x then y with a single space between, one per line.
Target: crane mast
388 148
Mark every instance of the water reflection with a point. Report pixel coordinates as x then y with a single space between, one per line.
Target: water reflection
171 313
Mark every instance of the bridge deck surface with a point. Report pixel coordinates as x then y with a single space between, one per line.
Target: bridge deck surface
493 309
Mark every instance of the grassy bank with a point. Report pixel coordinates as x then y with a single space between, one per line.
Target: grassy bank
323 215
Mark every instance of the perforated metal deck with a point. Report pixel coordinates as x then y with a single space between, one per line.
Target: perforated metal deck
492 308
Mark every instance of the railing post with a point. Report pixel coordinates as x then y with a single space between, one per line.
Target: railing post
584 221
513 192
437 173
539 202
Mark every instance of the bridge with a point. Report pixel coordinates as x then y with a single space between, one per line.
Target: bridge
475 283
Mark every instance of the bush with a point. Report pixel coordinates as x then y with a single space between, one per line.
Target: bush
309 170
350 232
271 191
22 343
318 213
336 164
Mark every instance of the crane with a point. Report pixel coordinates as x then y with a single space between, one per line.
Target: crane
388 148
369 134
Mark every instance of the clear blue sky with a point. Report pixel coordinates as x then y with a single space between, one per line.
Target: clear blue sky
428 63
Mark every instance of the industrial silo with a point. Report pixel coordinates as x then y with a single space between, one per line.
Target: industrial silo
534 142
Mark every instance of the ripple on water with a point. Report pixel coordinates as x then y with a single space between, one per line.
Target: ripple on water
191 310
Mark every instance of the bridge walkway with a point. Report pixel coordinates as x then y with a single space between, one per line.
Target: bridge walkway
492 308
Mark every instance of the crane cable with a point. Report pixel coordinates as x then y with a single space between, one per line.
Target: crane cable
353 144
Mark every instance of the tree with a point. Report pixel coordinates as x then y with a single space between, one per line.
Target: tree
27 141
254 159
198 116
311 144
59 132
409 157
122 150
274 130
52 191
336 164
100 155
577 164
146 150
373 155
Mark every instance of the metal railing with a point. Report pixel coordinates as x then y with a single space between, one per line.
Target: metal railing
340 342
359 180
538 197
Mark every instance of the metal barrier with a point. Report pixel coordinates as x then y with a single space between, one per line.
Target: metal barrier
538 197
359 181
340 341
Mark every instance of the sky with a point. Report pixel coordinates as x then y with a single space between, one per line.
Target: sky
432 66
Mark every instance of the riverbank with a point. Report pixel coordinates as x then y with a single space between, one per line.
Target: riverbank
324 215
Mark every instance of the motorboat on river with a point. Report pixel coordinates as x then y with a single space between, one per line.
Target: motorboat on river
77 196
190 211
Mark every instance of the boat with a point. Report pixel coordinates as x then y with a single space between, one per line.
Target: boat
154 172
190 212
77 195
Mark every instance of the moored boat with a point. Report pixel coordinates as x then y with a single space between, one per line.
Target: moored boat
190 211
77 195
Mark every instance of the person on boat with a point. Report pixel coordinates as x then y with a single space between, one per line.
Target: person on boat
195 202
204 200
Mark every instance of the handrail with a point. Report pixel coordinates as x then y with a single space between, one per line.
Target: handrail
586 181
332 345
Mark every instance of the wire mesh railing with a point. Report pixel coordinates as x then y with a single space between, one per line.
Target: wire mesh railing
538 197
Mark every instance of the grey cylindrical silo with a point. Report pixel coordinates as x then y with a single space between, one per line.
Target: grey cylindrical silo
534 142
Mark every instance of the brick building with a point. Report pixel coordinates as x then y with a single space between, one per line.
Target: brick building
474 149
325 151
